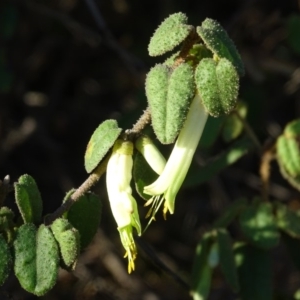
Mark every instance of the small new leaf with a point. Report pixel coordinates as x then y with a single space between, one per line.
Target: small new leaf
218 85
171 32
68 240
169 95
218 41
100 142
28 199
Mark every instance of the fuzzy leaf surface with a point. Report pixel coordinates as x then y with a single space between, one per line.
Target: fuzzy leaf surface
100 143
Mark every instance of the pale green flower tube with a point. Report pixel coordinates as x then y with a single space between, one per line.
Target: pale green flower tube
151 154
123 205
169 182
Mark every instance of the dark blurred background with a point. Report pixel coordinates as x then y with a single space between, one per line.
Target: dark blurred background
67 65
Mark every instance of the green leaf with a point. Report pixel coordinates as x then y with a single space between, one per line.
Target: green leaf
230 213
170 33
28 199
218 85
100 143
287 220
293 31
217 40
36 258
227 261
202 271
169 95
68 240
236 151
5 260
233 126
85 216
259 226
143 175
255 272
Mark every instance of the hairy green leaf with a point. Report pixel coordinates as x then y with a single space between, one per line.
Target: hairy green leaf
100 143
170 33
28 199
36 258
218 41
218 85
68 240
169 94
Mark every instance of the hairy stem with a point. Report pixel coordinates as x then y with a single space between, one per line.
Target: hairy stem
84 188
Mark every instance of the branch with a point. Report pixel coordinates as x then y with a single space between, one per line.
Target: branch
83 189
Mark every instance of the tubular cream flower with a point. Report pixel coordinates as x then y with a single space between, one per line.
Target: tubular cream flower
151 154
169 182
123 205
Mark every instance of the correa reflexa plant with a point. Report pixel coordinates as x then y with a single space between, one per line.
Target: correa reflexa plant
199 79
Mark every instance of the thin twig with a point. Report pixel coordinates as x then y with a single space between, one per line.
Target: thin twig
144 119
249 131
83 189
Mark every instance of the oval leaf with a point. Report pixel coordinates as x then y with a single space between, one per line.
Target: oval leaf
100 142
170 33
28 199
227 261
5 260
36 258
218 41
259 225
218 85
85 216
68 240
169 95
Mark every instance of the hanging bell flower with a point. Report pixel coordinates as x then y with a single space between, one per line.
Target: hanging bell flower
123 205
166 187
